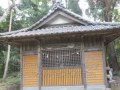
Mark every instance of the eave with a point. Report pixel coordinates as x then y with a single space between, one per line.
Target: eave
108 32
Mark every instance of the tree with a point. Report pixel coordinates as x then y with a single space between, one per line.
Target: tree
73 5
33 11
7 12
9 48
20 20
4 16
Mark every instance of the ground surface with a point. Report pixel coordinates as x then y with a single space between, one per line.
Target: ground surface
11 83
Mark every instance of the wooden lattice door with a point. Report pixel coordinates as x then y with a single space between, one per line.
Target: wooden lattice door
61 67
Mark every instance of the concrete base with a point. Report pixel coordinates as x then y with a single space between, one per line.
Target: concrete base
89 87
64 88
96 87
30 88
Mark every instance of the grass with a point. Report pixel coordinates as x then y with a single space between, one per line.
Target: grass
13 79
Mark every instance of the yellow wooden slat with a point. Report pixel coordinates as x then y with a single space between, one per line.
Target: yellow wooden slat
30 70
62 77
94 66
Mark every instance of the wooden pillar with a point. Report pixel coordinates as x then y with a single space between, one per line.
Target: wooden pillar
39 66
84 77
21 67
104 64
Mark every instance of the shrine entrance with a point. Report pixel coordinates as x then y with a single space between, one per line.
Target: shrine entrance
61 67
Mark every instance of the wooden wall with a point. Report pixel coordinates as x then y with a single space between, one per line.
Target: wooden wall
92 43
62 77
94 67
30 71
67 76
50 77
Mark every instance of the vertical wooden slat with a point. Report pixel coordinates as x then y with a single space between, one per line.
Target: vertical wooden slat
84 76
93 60
30 70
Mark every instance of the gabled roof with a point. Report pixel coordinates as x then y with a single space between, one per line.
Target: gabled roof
59 9
38 28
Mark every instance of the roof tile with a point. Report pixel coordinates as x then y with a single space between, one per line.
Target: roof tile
59 30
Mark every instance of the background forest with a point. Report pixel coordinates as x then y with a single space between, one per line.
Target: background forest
28 12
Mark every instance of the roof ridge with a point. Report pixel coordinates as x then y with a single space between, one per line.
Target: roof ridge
58 4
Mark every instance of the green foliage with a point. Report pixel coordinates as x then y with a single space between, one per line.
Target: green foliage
2 58
4 24
117 73
12 82
30 12
95 11
103 10
116 15
36 1
12 79
1 11
117 48
73 5
14 64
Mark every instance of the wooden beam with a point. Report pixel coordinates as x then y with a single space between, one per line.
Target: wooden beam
109 40
29 53
104 63
39 67
21 68
84 75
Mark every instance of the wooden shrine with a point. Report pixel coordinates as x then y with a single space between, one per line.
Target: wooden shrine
63 51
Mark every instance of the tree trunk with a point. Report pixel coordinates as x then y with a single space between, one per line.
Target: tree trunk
53 2
8 52
7 62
